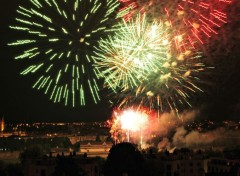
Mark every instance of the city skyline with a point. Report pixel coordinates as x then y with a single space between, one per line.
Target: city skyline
20 102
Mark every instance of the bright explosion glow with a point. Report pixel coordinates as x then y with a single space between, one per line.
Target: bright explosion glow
130 124
133 120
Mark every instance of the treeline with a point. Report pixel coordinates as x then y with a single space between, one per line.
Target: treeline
19 144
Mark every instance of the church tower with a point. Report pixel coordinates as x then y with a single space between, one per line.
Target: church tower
2 125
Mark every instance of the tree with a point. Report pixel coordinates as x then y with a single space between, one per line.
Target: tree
154 167
14 170
2 168
10 169
67 167
31 153
98 138
62 142
124 158
76 146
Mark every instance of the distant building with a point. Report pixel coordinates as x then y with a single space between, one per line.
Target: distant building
3 134
2 125
180 163
88 138
47 166
39 167
91 149
223 166
185 162
9 156
95 148
184 167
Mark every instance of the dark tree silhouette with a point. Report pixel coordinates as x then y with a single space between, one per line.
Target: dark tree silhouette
124 158
10 169
2 168
67 167
76 146
31 153
14 170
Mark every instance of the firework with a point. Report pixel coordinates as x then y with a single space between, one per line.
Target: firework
137 48
59 37
128 9
138 63
192 22
130 122
170 87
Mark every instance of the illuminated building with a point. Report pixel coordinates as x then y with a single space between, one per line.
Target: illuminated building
2 125
94 149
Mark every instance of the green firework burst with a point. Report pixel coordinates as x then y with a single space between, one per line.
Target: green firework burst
171 86
140 65
126 58
59 39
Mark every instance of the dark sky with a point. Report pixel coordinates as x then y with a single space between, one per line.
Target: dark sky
19 102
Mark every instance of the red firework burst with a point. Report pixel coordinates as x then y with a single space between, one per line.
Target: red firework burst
192 22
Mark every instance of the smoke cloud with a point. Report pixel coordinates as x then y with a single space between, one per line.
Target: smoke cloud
170 130
219 137
169 121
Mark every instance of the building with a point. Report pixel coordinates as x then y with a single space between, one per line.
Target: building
88 138
63 165
223 166
39 167
2 125
93 149
181 163
184 167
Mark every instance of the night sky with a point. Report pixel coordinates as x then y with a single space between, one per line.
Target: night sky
19 102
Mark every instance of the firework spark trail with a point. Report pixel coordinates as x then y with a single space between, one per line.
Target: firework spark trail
192 22
169 87
137 48
139 65
59 37
129 121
